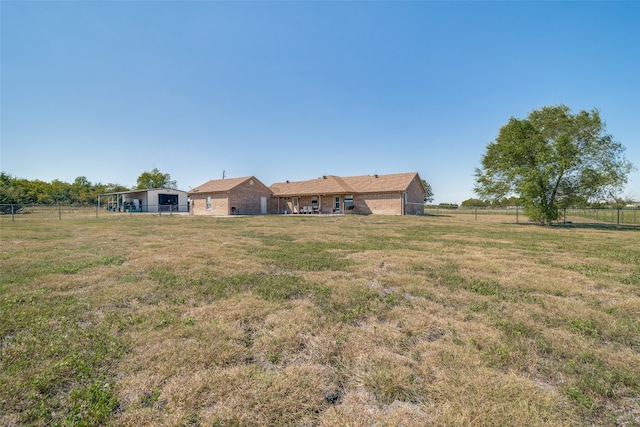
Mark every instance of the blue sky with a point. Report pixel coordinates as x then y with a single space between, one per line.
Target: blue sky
297 90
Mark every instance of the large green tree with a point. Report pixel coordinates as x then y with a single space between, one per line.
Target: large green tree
154 179
428 195
553 158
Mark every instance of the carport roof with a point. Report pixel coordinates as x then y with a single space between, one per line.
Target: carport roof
140 191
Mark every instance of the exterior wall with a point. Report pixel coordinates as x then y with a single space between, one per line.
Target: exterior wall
246 198
379 203
369 203
183 201
415 198
219 204
285 205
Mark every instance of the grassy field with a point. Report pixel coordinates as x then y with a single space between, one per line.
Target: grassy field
345 320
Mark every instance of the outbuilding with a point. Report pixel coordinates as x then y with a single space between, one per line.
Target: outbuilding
231 196
148 200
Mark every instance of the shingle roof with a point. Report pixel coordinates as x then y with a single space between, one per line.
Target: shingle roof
328 185
381 183
331 184
220 185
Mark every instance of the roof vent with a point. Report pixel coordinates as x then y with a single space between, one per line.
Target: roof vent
324 176
376 176
287 181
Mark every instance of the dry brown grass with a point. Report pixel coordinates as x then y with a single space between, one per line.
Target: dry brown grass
359 321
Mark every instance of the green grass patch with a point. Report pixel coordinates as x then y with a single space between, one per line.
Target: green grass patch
91 405
32 270
594 381
269 286
52 348
306 256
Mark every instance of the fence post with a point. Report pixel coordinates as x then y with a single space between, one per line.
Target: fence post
564 221
517 209
13 213
618 216
476 209
59 212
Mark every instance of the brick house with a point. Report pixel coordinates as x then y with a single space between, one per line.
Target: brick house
392 194
232 196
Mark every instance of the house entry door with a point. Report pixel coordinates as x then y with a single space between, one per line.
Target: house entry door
263 205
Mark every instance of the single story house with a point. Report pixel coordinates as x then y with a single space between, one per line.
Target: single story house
392 194
231 196
148 200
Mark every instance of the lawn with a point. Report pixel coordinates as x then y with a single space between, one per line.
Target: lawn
317 320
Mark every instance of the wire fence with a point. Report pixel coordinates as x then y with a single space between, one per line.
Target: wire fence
616 216
622 216
17 212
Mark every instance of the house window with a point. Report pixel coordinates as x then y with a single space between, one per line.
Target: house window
208 203
336 203
314 200
348 203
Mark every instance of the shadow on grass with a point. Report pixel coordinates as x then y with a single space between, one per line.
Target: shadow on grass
581 225
598 226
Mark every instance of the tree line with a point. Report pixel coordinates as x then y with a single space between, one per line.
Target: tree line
81 192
